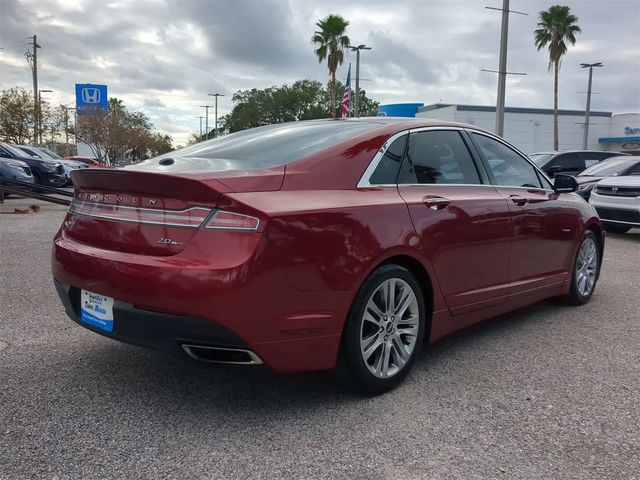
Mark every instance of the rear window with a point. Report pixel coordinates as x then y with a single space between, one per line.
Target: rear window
263 147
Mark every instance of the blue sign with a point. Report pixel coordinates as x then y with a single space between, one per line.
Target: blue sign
89 95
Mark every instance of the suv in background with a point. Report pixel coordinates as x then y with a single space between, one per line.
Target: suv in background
571 162
617 201
42 152
46 171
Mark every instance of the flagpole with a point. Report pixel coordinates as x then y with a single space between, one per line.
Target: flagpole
345 103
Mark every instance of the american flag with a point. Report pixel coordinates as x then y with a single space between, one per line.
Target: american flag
346 96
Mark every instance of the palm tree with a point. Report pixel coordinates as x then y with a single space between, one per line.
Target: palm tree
557 26
330 41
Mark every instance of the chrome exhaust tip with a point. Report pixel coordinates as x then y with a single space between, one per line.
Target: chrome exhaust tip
232 356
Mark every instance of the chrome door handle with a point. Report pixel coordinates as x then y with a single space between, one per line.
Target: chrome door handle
519 200
436 203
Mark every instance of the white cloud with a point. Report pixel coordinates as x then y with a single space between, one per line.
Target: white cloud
164 56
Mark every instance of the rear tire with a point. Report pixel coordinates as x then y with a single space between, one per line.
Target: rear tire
384 331
586 269
614 228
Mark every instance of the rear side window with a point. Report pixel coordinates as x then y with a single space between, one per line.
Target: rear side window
438 157
570 161
263 147
387 170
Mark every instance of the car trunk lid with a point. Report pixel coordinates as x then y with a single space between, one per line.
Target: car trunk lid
150 213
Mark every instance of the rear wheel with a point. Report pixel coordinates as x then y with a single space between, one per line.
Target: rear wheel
615 228
384 331
585 271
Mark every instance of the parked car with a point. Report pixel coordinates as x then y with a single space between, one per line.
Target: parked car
90 161
322 245
617 201
14 170
613 167
570 162
46 172
41 152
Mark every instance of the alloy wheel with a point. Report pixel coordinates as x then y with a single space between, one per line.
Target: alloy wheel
587 266
389 328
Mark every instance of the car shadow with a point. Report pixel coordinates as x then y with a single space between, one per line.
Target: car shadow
122 371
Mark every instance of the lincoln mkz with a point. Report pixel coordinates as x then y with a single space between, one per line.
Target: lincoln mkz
328 245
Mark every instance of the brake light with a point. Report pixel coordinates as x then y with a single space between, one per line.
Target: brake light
223 220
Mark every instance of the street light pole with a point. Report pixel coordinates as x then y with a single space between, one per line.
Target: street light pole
216 111
206 128
40 92
587 111
356 110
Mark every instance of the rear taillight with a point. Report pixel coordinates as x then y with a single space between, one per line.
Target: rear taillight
223 220
192 217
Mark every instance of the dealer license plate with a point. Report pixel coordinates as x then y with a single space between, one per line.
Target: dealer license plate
96 310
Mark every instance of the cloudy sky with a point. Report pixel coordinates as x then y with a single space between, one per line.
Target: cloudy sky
164 56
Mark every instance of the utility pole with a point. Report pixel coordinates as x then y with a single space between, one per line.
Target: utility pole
216 111
66 130
502 67
206 128
39 116
33 59
356 111
587 111
200 117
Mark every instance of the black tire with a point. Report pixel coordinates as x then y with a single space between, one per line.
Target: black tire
38 181
575 295
615 228
352 369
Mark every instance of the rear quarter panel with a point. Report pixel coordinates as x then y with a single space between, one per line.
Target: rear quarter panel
324 243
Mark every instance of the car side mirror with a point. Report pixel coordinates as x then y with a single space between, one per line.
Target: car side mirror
565 184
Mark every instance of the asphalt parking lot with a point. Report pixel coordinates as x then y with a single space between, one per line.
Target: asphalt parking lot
546 392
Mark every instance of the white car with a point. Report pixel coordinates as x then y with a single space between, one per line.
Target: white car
617 201
69 166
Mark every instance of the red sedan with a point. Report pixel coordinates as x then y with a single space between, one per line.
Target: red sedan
322 245
89 161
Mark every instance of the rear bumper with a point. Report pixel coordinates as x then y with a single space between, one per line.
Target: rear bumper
154 330
166 302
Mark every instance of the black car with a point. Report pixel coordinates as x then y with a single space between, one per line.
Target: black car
613 167
13 169
45 172
571 162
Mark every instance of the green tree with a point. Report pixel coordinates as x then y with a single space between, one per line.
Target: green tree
16 115
302 100
117 134
367 106
330 42
556 27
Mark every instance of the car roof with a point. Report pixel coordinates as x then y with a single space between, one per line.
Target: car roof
558 152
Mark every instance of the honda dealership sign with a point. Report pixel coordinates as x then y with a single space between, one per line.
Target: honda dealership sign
89 95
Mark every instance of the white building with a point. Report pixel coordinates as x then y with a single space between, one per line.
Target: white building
531 129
